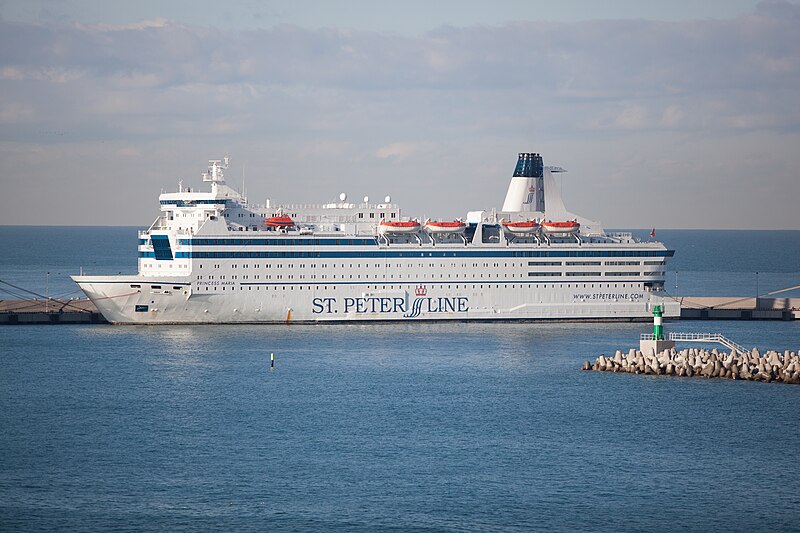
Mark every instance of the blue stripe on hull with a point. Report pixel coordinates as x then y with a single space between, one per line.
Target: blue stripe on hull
397 254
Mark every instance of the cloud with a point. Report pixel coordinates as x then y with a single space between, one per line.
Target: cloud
14 113
129 151
632 117
158 22
446 104
400 151
42 74
673 116
642 68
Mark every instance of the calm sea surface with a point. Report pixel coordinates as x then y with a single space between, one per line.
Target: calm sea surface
407 427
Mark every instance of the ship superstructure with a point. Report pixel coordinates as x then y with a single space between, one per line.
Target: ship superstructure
211 257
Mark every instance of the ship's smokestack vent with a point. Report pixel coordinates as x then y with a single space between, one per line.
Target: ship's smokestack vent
529 165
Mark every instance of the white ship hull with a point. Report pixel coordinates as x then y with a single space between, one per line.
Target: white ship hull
354 304
509 295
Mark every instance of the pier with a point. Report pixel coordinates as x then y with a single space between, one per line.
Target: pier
733 308
49 311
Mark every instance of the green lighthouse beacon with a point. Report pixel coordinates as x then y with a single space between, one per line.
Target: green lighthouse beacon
657 342
658 328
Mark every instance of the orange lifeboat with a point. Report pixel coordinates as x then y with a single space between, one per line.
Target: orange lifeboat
280 222
568 227
525 227
456 226
399 227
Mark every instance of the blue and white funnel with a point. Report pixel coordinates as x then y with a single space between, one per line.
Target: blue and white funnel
526 190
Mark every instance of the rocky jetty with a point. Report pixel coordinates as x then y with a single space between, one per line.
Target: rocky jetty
692 362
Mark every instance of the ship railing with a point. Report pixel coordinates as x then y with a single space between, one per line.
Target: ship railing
345 205
158 224
620 236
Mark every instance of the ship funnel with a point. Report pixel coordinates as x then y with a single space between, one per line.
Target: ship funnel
529 166
526 190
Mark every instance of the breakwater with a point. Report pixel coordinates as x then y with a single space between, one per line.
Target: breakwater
772 366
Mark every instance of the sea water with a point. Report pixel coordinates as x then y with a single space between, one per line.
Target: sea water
406 427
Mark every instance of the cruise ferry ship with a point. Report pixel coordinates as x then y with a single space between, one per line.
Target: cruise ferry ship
212 257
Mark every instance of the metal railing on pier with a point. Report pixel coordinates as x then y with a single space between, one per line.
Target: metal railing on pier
699 337
708 337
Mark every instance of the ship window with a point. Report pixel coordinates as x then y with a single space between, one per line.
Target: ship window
161 247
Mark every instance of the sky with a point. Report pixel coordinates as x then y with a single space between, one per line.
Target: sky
678 114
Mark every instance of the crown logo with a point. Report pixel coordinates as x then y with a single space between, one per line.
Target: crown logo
421 290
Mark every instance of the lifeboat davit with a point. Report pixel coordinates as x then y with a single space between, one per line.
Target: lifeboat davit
280 221
455 226
568 227
399 227
525 227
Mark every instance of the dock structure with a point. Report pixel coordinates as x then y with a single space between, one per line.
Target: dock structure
49 311
733 308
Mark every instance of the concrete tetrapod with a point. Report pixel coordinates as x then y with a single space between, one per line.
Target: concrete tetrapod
773 366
